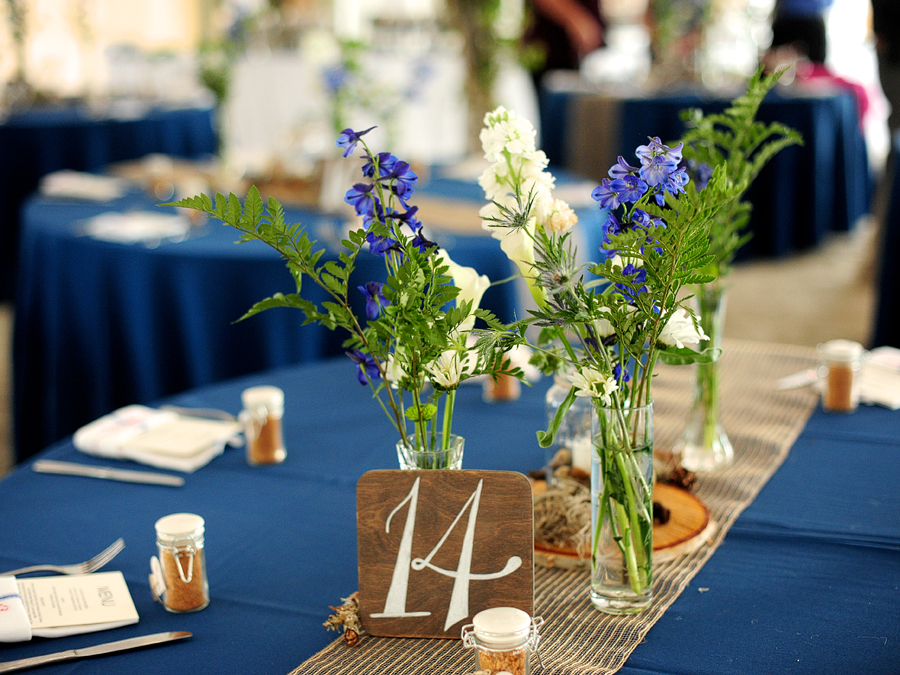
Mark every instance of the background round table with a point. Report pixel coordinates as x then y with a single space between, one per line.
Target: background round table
100 325
39 141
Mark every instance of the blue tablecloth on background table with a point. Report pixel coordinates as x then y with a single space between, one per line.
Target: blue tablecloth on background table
805 581
100 325
801 196
40 141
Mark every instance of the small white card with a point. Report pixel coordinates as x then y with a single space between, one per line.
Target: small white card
77 600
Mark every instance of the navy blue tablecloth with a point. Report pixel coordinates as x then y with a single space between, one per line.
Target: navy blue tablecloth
100 325
39 141
803 194
806 580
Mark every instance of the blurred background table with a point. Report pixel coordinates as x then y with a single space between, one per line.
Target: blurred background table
100 324
39 141
803 194
281 544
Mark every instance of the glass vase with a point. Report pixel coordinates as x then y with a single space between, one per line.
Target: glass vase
571 448
704 445
412 456
622 509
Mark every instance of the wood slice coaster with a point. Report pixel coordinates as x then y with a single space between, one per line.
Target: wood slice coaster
689 527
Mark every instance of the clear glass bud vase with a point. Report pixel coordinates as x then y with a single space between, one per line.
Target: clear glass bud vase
412 456
622 509
704 445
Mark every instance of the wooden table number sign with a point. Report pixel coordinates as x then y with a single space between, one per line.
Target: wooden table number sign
437 547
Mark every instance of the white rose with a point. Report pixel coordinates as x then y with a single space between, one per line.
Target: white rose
680 330
471 286
394 372
590 382
562 217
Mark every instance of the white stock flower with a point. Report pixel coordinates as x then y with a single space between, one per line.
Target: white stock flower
503 130
680 330
446 370
495 181
590 382
562 217
471 286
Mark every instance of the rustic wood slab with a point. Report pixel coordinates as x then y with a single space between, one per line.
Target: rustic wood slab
689 526
437 547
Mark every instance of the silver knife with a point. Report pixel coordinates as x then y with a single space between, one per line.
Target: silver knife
96 650
73 469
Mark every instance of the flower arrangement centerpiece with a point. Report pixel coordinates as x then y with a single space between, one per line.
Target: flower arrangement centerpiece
411 347
735 140
608 332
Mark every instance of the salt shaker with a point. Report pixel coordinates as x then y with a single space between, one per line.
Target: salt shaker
504 639
263 410
178 576
840 361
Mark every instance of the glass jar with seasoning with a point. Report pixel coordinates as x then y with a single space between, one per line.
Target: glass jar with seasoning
503 639
840 361
181 583
263 410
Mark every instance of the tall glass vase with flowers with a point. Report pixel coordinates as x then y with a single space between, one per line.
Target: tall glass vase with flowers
611 328
412 346
737 141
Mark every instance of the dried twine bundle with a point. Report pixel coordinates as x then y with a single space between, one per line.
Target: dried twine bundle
562 516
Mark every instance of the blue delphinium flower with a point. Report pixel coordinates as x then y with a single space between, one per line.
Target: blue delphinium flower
621 375
334 78
637 286
702 172
622 168
360 197
422 243
365 366
385 162
349 138
606 195
375 299
629 188
380 245
402 180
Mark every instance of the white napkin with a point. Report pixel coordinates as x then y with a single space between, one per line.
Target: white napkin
879 380
159 438
79 185
14 623
137 226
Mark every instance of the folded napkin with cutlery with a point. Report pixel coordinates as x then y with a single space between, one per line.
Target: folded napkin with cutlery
81 603
160 438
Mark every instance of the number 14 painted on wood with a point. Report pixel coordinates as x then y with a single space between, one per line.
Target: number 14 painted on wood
470 520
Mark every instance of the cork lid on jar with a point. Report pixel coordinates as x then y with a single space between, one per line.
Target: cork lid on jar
502 626
840 351
178 527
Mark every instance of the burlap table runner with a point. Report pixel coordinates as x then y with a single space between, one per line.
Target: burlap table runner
762 424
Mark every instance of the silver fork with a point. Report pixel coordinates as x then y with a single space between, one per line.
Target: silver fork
85 567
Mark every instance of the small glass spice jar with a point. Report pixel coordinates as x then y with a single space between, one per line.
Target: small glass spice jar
263 410
840 361
181 566
504 639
